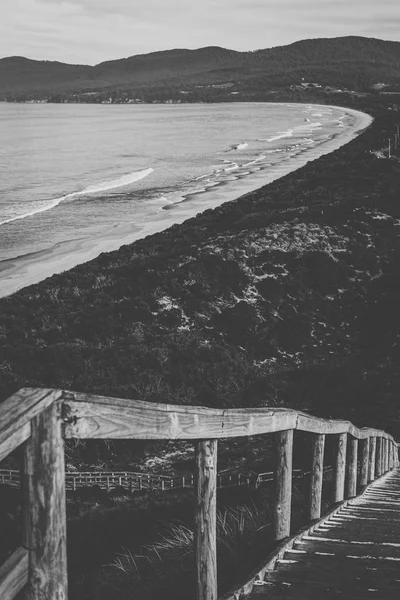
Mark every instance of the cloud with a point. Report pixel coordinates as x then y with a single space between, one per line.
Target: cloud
90 31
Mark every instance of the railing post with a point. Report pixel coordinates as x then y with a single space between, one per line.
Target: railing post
206 519
317 476
351 488
364 463
386 455
372 459
378 460
339 467
45 514
283 485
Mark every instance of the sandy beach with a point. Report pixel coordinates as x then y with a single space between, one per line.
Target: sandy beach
20 272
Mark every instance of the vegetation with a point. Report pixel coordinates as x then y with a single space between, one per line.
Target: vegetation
287 296
355 63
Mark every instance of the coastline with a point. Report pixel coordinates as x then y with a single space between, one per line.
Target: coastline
20 272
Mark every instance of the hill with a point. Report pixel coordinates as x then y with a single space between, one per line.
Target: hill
356 62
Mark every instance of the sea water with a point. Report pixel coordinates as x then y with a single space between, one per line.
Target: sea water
78 172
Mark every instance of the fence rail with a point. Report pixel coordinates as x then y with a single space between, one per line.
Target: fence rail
134 481
41 419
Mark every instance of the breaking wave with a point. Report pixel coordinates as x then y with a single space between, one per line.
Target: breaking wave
104 186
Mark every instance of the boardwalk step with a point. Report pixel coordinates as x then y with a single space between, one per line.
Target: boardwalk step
352 555
318 591
340 548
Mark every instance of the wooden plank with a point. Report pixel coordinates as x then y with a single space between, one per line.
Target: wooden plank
283 485
87 420
90 416
14 574
339 467
351 488
317 473
371 459
16 413
364 463
206 519
45 514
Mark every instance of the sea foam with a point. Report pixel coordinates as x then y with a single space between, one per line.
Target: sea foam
104 186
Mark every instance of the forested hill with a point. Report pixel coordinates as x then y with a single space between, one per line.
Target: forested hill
356 62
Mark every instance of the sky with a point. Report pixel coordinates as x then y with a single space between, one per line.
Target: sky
91 31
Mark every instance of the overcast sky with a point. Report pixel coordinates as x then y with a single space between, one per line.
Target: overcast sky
90 31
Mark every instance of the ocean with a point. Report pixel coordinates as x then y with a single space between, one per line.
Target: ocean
79 179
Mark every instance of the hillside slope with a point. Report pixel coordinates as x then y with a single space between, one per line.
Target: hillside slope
350 61
287 296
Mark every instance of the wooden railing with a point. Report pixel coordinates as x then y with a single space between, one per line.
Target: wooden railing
138 482
41 419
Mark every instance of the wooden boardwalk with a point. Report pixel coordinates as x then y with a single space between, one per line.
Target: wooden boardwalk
353 554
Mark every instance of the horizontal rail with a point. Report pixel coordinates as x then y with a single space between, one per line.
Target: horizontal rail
100 417
134 481
14 573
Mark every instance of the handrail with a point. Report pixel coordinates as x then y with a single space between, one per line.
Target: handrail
42 418
90 416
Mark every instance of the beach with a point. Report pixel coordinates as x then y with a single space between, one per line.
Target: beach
17 273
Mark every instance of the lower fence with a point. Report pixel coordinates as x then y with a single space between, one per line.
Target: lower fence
134 482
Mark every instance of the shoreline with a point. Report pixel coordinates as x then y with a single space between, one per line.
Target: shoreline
20 272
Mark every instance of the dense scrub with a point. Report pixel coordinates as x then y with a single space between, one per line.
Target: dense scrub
286 296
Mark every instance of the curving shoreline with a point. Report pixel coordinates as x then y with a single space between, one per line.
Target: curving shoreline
23 271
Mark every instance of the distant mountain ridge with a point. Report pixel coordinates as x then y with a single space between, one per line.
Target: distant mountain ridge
354 61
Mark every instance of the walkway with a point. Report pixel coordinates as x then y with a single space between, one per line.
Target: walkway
353 555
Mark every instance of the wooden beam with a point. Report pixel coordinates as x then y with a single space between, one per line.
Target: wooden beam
283 485
372 459
16 413
378 458
206 519
45 517
351 488
317 475
89 416
14 574
364 463
339 467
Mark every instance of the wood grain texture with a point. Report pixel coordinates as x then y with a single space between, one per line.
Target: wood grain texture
378 457
317 474
14 574
206 519
283 485
45 518
99 417
351 487
339 467
16 413
372 459
364 463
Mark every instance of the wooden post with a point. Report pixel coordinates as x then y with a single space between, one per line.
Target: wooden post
206 519
387 447
317 475
351 488
372 459
378 460
385 455
364 463
340 467
45 514
283 485
383 471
